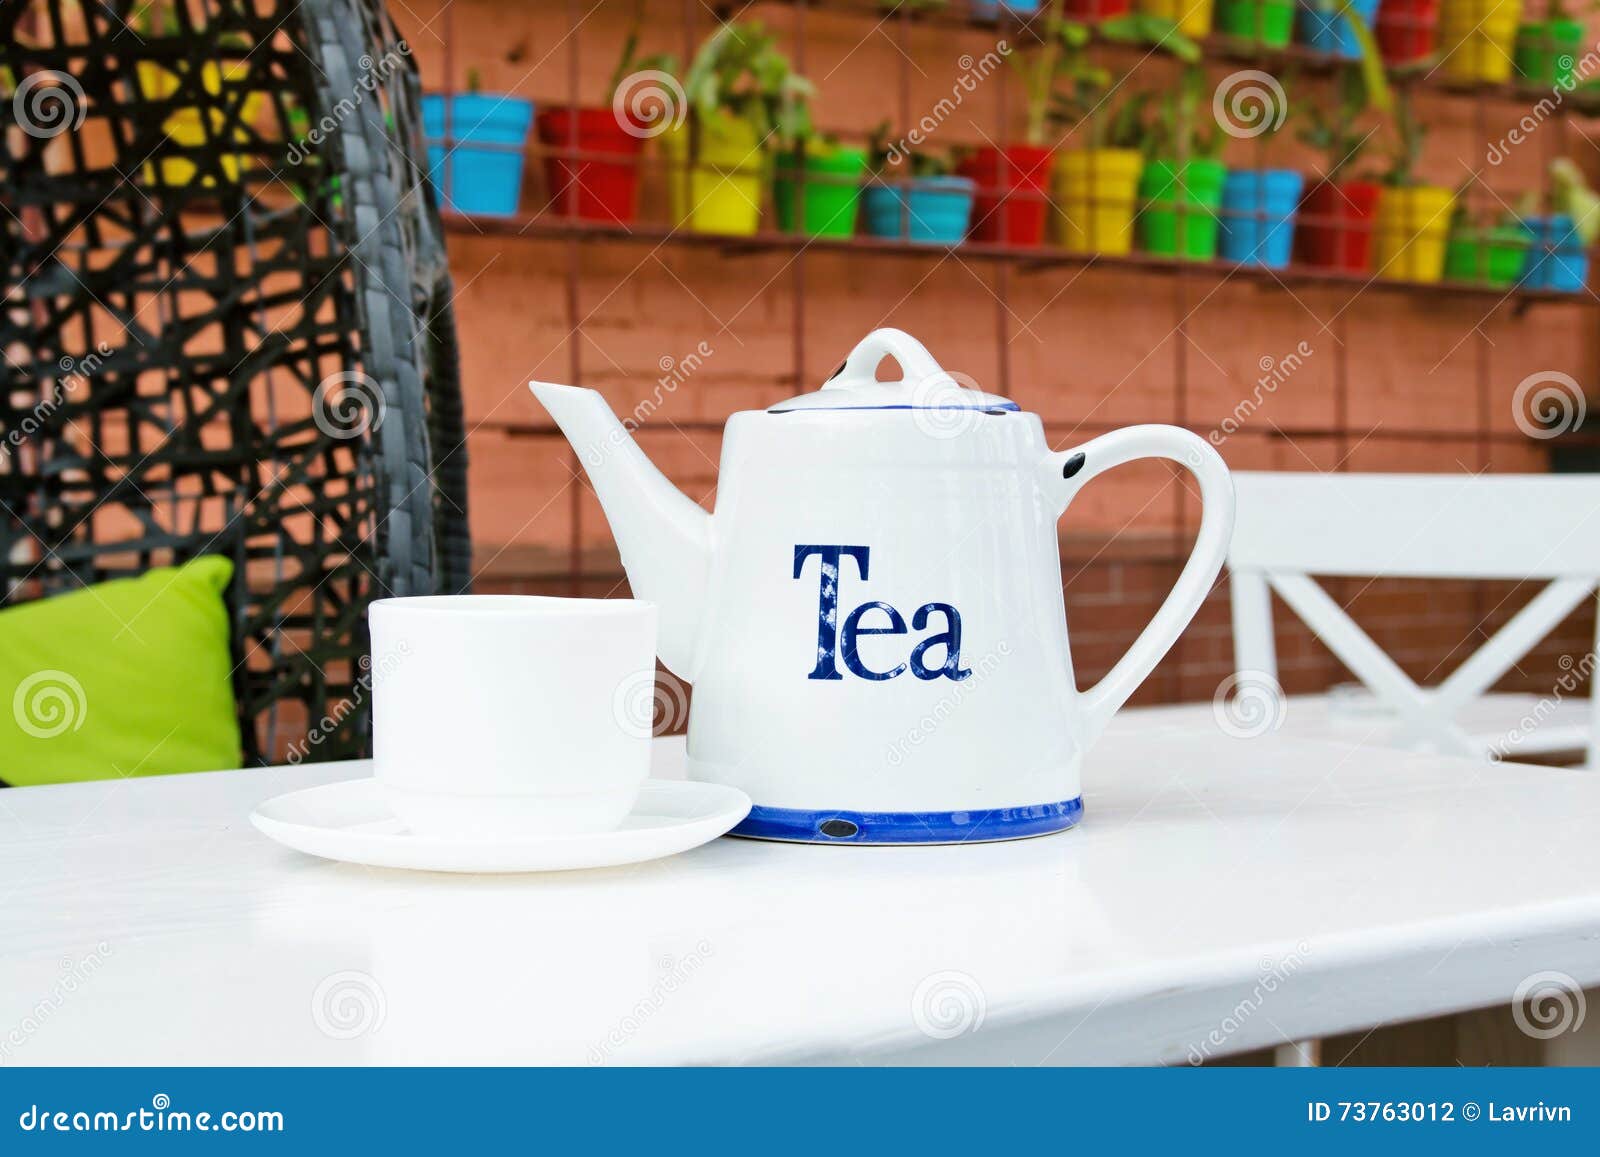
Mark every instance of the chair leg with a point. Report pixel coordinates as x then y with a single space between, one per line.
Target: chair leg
1300 1054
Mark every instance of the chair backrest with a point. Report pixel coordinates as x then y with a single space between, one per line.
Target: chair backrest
1291 527
227 329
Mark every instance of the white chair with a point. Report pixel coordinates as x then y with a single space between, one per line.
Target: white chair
1516 527
1291 527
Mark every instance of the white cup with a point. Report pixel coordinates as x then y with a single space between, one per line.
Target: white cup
499 716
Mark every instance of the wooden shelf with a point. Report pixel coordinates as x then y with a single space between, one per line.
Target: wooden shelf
1027 259
1216 48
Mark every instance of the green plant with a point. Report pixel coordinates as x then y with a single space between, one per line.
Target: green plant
1336 132
884 154
1409 135
1063 57
739 72
1179 131
1369 58
629 61
1571 193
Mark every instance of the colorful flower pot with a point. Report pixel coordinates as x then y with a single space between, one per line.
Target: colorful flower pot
932 210
1546 52
1407 30
721 191
1095 10
1012 203
1265 22
1180 207
1477 39
187 128
1097 191
1258 212
1413 228
476 161
1324 29
1193 17
832 191
1556 259
990 9
1493 256
1334 229
602 185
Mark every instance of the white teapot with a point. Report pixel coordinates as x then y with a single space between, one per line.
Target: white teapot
872 619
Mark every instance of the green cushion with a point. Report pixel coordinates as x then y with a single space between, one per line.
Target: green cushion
128 677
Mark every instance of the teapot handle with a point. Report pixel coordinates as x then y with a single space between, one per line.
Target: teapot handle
1067 471
861 367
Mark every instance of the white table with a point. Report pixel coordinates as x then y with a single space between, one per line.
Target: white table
1320 887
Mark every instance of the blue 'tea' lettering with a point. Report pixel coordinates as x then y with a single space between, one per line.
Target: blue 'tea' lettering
836 640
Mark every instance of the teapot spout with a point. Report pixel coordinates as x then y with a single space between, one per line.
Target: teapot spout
664 537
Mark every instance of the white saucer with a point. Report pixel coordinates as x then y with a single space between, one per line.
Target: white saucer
352 821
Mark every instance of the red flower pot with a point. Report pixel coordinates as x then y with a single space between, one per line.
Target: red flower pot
1012 205
1097 9
1336 225
1406 29
594 187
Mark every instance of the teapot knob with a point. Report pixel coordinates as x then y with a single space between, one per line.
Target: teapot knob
861 367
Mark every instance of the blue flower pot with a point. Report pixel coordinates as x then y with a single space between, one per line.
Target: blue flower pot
1556 260
490 138
1324 31
939 209
1258 211
990 9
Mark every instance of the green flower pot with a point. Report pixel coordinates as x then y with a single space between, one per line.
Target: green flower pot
832 188
1180 208
1545 52
1266 22
1492 256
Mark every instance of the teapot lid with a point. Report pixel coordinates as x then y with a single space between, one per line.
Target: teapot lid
923 385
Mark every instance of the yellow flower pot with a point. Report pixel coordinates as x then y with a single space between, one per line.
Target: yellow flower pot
724 185
186 127
1193 17
1097 191
1477 38
1413 228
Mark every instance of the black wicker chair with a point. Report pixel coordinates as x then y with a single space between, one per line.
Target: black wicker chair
227 329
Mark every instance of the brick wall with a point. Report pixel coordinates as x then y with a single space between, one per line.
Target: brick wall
1395 380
